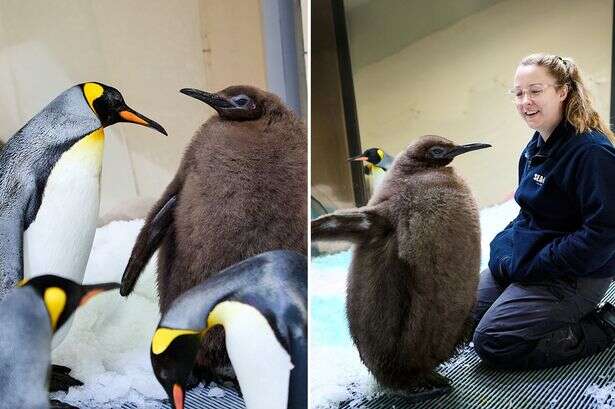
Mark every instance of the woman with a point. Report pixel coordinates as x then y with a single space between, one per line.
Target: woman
552 265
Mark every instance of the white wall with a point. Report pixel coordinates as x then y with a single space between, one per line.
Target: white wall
148 49
454 82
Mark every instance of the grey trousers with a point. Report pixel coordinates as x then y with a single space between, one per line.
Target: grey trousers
538 325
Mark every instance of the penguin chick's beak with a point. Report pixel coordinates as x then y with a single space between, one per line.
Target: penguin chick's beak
213 100
129 115
358 158
178 396
466 148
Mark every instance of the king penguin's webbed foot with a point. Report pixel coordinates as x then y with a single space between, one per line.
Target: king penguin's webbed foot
430 386
61 380
56 404
220 376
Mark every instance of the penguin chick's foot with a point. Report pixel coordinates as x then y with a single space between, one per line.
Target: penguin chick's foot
61 380
430 386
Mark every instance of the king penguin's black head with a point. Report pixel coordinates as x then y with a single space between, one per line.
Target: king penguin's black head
436 151
371 155
239 102
63 296
173 365
108 104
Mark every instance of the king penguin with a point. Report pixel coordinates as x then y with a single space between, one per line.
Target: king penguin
50 184
29 315
414 269
262 304
376 162
240 190
374 158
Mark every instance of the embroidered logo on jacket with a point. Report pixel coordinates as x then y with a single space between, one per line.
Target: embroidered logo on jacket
539 179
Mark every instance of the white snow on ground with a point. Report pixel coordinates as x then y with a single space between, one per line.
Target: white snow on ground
108 344
604 398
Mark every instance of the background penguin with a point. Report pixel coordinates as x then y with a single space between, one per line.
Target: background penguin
374 158
414 271
29 315
377 162
263 300
240 190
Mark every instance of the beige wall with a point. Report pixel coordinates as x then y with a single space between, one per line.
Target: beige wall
331 180
148 49
453 83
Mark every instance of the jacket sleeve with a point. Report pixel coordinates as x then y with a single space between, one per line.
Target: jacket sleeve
585 252
500 248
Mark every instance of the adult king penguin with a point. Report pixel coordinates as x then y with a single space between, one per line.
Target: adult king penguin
239 191
414 269
50 183
261 303
29 315
374 158
376 163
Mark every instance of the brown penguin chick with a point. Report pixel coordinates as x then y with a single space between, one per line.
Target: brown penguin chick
241 190
414 269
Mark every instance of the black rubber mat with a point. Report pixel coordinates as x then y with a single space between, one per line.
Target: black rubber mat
475 386
201 398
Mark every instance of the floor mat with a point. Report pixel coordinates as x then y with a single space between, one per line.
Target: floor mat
588 383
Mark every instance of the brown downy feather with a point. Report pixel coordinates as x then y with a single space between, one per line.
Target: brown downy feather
241 190
414 269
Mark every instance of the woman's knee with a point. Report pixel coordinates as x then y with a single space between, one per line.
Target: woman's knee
500 350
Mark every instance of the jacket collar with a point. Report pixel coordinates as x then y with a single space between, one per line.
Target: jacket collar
538 150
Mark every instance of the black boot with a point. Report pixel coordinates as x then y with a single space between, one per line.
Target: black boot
605 316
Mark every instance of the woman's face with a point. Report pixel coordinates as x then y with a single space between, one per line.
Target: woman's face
538 99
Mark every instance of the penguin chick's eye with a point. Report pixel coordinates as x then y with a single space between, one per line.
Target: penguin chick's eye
241 101
436 151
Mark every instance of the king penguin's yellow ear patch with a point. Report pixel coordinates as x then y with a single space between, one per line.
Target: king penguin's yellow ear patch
55 300
381 154
164 336
91 92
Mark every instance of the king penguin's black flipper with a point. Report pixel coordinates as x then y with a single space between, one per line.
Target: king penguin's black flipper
350 225
61 380
56 404
153 231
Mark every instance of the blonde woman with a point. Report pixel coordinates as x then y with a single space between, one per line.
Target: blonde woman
551 266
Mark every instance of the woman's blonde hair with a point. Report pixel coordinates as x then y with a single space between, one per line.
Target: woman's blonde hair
578 107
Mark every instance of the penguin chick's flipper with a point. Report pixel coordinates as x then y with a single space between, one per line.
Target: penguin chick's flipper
61 380
351 225
153 231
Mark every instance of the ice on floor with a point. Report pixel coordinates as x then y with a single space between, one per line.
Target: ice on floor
108 344
602 398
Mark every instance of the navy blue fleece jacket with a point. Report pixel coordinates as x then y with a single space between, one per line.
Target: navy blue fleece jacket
566 225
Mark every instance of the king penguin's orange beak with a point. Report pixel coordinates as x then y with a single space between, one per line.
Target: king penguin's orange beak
178 396
129 115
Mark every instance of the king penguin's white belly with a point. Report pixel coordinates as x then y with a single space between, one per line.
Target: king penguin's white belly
60 238
261 364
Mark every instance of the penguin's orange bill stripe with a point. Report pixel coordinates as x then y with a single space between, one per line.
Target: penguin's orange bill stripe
88 296
363 158
178 396
130 117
